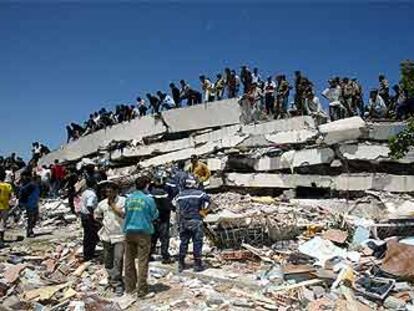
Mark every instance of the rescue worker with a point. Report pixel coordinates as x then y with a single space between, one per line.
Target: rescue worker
199 170
189 203
162 223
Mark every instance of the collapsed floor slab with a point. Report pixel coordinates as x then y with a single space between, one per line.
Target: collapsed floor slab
343 182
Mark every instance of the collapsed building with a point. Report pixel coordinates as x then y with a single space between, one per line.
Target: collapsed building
292 194
349 155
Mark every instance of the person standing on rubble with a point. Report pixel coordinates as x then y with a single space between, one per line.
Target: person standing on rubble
189 203
57 177
29 199
140 213
111 212
199 170
162 223
88 204
6 191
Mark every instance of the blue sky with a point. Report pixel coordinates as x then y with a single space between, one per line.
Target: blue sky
60 62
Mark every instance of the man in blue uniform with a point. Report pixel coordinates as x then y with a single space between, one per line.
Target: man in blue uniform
189 203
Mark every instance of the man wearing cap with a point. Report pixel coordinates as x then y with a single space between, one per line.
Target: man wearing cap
199 169
189 203
111 212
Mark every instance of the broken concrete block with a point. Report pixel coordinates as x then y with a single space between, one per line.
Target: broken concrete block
343 130
367 152
384 130
295 158
197 117
216 164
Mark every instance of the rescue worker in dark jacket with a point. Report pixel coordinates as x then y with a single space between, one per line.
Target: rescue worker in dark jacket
189 203
162 224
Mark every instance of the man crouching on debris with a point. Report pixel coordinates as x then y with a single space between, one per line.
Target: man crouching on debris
140 213
189 203
111 211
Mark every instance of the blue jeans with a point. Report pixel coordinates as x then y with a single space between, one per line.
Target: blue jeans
191 229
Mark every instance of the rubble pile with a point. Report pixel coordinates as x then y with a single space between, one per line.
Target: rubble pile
306 217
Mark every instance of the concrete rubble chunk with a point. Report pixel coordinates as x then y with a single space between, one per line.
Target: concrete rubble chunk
295 158
343 130
292 124
292 137
384 130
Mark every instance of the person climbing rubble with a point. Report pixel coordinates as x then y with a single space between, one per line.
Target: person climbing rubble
29 196
140 213
199 170
111 212
162 223
189 203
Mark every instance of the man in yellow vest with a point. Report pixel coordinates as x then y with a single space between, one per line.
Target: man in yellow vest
6 191
199 169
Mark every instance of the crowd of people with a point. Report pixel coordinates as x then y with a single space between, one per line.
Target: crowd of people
128 227
268 96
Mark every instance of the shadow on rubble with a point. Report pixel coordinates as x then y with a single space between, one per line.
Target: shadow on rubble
159 288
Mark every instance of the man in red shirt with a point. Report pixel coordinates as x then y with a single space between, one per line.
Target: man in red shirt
58 175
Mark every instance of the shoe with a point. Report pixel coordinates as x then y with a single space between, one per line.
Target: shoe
119 291
198 266
181 266
167 261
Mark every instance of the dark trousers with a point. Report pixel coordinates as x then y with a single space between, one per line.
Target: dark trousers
270 103
90 236
162 232
32 216
191 229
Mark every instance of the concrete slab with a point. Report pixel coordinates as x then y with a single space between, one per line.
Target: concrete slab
216 114
283 125
343 130
344 182
292 137
227 142
153 149
136 129
217 134
216 164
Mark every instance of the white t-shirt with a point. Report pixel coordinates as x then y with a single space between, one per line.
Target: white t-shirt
88 199
9 176
45 175
332 93
111 230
